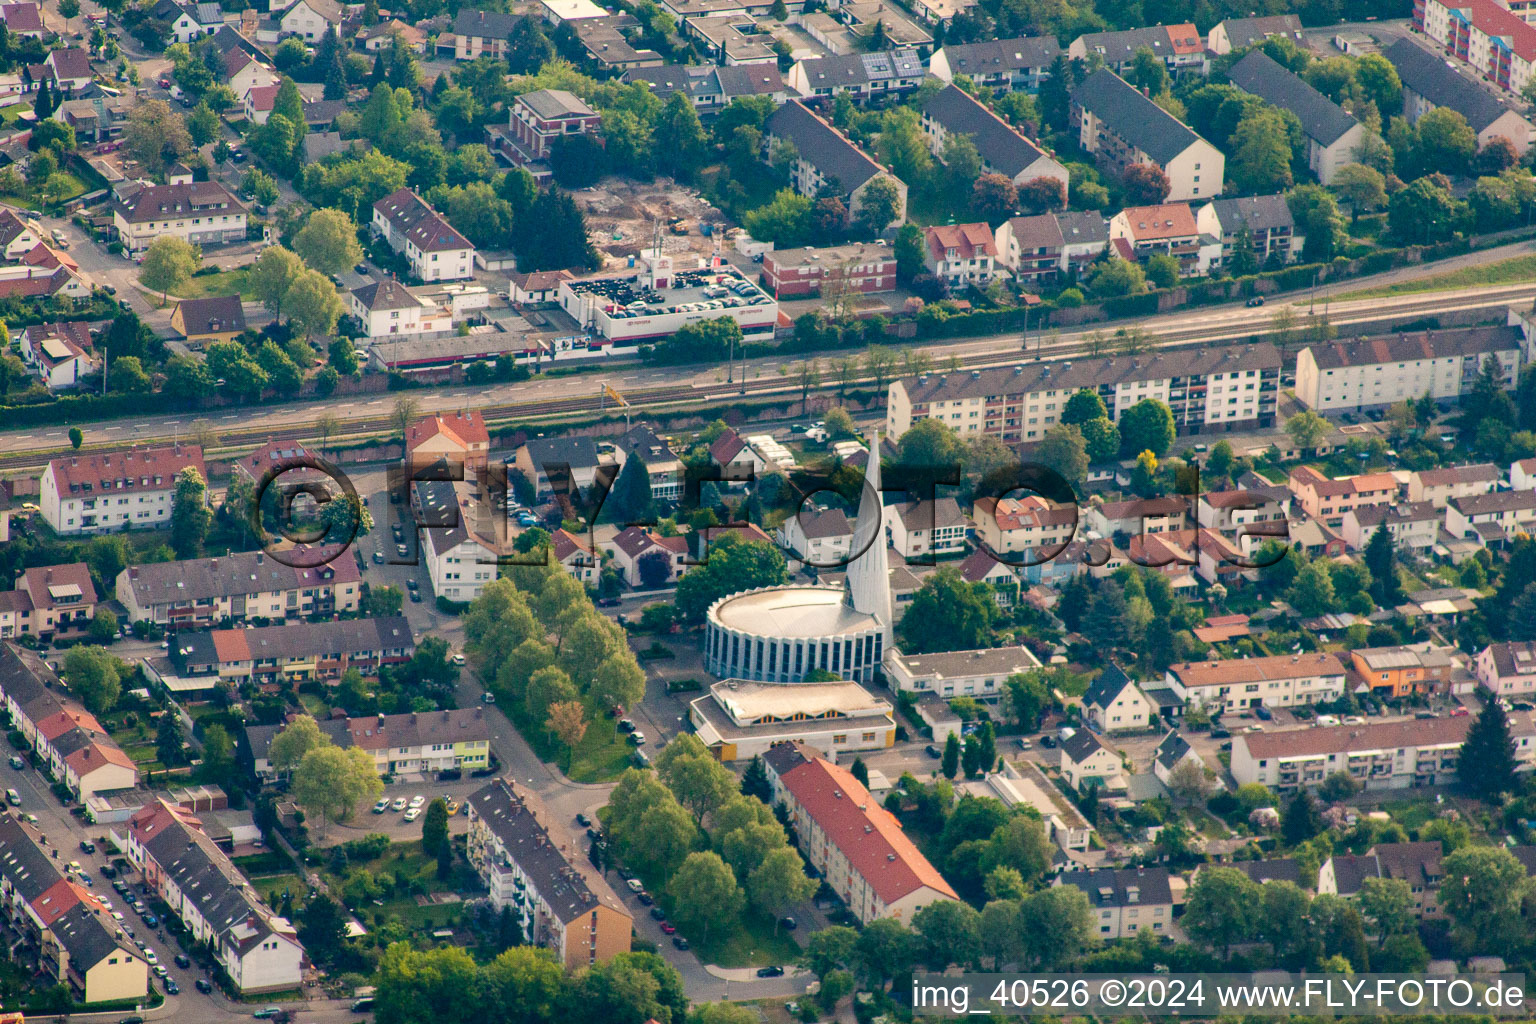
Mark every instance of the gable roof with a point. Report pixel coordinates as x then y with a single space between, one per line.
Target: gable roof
1279 869
215 315
23 17
1134 117
1256 213
576 451
69 63
1162 40
1004 148
968 240
860 69
1122 887
425 227
237 574
1245 32
996 55
1082 745
1427 74
1173 749
462 428
147 469
823 146
1166 220
386 294
485 24
1324 121
1106 686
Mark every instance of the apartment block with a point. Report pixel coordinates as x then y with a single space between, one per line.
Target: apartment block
1378 370
1286 680
1125 901
434 250
1329 499
83 494
1491 519
1429 81
1414 526
1407 671
198 212
64 735
1496 42
246 586
1333 135
415 742
1121 127
858 267
286 655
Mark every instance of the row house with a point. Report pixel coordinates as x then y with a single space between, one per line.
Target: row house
1438 486
415 742
606 40
257 949
1378 755
66 737
1002 65
1242 33
1139 232
1286 680
1333 135
1414 526
1429 81
434 250
535 123
860 76
532 871
1411 671
1210 390
1498 44
1122 128
200 213
61 353
1244 511
961 255
1125 901
1138 517
77 943
1003 149
1032 527
1507 669
863 268
287 655
826 159
85 494
711 88
1379 370
1329 499
1266 220
1048 246
732 40
1179 46
49 600
926 529
1493 519
240 587
856 845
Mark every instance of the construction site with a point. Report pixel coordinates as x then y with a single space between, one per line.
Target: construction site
622 218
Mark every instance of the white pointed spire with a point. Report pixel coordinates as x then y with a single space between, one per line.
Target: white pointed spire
869 584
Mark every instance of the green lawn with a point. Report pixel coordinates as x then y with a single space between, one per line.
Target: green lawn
601 756
274 885
746 942
225 282
1516 270
76 188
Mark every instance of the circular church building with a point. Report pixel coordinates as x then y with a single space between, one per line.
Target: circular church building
782 634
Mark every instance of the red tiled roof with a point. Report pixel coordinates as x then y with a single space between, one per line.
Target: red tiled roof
726 447
970 240
230 645
263 97
866 833
88 759
137 470
465 429
40 579
566 544
1170 220
60 722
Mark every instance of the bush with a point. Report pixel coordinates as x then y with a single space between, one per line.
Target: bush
370 847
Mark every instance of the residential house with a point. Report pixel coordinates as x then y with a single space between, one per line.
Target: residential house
1267 222
61 353
737 461
1032 526
1041 248
241 587
931 528
857 845
981 567
534 124
1507 669
1241 33
310 20
1088 762
537 287
1418 670
458 438
1172 752
205 321
853 28
1416 864
711 88
1430 81
1499 44
961 255
465 546
1003 149
426 742
1378 370
259 103
634 545
23 19
1522 475
824 157
189 21
434 250
609 48
1179 46
1413 526
1125 901
66 737
524 860
1494 518
1333 135
200 213
662 465
387 308
732 40
1140 232
482 33
579 557
373 38
1114 703
554 465
1234 685
95 119
1121 128
1438 486
256 949
70 70
52 600
1003 65
1244 512
82 494
1329 499
18 234
862 76
821 538
1378 755
1138 517
979 673
1210 390
285 656
832 271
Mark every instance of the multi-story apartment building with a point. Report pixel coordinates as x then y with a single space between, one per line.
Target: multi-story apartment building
857 845
826 159
1179 46
1416 864
1507 669
1139 232
1413 671
858 267
434 250
462 540
482 33
48 600
1032 528
1042 247
1438 486
933 528
427 741
1286 680
979 673
1429 81
1266 219
245 586
1494 518
199 212
47 908
861 76
113 491
1125 900
65 736
535 123
1332 134
1379 755
459 439
1329 499
1003 65
559 903
292 653
1215 389
1496 42
1413 525
1003 149
1121 127
258 950
1242 33
1376 371
961 255
387 308
662 465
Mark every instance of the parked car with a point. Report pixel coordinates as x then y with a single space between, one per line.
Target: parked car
86 846
657 914
1257 300
171 988
183 961
14 797
151 921
679 942
583 821
625 725
415 597
399 803
635 885
770 972
418 800
645 898
668 928
203 985
1049 742
637 738
381 806
1264 712
18 763
933 751
789 923
1221 734
413 814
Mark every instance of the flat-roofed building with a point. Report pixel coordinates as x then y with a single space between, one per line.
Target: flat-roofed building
980 673
1236 684
859 267
739 719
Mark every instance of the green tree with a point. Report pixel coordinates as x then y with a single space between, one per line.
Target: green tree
949 764
1444 142
950 933
734 565
1387 903
1486 764
156 136
1307 429
1064 449
328 242
1381 559
170 744
879 204
702 892
272 274
829 949
94 676
1301 819
203 124
1482 893
1146 426
1084 405
930 442
885 950
312 304
434 828
1055 925
1360 188
168 263
1424 212
219 756
1261 159
1115 277
779 881
952 614
1222 908
330 781
301 735
698 781
190 515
